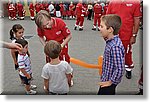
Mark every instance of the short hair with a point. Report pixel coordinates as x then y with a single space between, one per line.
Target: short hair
40 16
112 20
52 49
23 42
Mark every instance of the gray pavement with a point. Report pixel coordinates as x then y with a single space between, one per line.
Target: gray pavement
85 45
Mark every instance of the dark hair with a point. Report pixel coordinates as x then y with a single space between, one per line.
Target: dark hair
112 20
23 42
52 49
15 29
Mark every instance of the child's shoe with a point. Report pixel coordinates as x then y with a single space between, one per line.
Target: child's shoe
31 92
33 86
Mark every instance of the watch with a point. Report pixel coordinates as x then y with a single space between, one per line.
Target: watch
134 35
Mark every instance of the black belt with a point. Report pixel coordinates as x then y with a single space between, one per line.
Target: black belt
52 93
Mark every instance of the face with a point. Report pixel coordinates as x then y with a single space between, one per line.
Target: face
47 23
25 49
19 34
103 30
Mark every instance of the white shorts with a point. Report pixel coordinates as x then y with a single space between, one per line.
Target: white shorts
58 14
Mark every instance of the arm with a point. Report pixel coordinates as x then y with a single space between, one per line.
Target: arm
69 76
14 57
46 85
68 38
135 29
11 45
25 73
42 40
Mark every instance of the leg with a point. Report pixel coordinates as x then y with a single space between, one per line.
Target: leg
128 59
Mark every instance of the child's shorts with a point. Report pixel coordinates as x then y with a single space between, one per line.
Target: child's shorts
25 80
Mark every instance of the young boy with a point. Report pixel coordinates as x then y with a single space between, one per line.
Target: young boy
56 74
24 64
113 58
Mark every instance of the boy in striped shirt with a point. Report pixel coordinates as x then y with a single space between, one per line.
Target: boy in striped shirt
24 64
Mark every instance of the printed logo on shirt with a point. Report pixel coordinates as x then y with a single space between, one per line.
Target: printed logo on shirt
59 32
129 4
67 30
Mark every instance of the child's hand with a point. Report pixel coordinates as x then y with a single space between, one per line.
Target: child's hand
105 84
46 90
28 76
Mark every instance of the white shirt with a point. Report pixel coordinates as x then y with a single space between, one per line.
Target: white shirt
51 8
24 62
56 74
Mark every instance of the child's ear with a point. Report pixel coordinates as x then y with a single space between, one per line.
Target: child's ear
111 30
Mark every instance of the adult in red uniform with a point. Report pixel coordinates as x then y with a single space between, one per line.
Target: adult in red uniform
71 10
105 9
20 10
37 7
12 11
80 11
97 15
31 9
129 11
53 29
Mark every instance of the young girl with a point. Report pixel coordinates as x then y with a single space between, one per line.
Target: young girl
16 33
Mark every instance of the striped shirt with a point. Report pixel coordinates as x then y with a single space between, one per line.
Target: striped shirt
24 62
113 61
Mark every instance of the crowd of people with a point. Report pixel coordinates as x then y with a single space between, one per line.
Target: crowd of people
118 23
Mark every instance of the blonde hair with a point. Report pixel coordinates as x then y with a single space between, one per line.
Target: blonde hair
40 16
112 20
52 49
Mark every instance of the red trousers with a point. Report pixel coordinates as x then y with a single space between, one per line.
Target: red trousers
97 19
80 20
31 13
128 52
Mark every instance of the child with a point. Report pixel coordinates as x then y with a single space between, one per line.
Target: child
24 64
113 58
16 33
57 74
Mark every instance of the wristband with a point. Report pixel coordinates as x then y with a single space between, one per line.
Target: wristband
134 35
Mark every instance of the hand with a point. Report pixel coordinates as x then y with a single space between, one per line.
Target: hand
13 46
105 84
28 76
46 90
133 40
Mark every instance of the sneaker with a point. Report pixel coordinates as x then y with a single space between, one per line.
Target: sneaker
80 29
33 86
94 29
75 28
128 74
31 92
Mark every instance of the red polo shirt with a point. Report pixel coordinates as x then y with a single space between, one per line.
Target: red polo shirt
127 10
58 32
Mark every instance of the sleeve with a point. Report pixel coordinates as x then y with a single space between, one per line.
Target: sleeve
45 74
40 32
21 62
109 8
69 68
137 12
118 62
64 28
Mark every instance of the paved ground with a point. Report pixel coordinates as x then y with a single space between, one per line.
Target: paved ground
85 45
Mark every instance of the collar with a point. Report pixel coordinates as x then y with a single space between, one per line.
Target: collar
115 36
